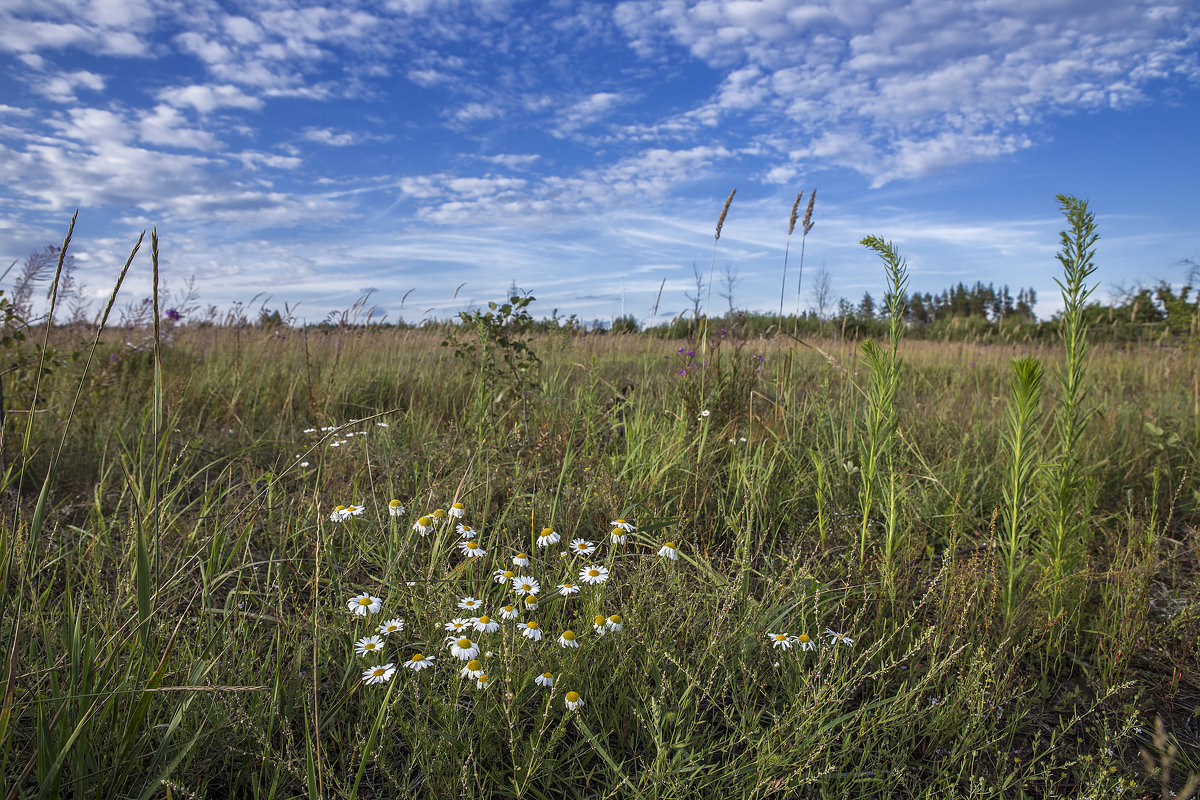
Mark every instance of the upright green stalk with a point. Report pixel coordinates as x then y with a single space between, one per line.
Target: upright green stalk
878 443
1020 442
1066 534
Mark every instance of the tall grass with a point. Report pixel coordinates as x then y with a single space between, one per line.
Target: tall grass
219 660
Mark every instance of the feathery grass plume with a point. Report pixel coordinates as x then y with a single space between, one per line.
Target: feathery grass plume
711 267
806 225
1021 445
1067 533
786 247
878 443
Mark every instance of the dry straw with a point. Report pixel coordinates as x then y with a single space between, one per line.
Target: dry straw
711 267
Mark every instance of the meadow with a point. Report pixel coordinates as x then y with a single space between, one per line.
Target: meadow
271 562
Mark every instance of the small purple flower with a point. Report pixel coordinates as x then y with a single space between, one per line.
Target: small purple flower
683 371
173 314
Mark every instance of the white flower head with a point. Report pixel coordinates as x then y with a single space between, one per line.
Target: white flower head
567 589
526 585
669 550
837 638
623 525
594 574
457 510
395 508
521 560
391 626
422 524
463 648
805 642
473 669
486 624
459 624
482 681
781 641
469 603
503 575
471 548
568 639
369 644
704 413
465 531
364 604
381 674
508 612
532 630
573 700
354 511
600 624
419 662
339 513
531 602
545 679
582 547
614 623
618 536
547 538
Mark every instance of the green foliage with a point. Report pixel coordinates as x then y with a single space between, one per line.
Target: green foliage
1021 445
498 343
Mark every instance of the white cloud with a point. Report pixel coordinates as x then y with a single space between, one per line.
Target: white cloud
330 137
477 112
209 97
61 86
166 126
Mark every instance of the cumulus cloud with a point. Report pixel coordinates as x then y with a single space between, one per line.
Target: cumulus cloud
209 97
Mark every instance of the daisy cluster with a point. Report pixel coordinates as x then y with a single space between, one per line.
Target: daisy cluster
514 588
785 641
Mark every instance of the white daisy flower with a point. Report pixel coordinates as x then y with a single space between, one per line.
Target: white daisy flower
486 624
615 623
395 508
547 538
310 430
364 604
469 603
391 626
465 531
531 602
473 669
458 510
703 414
419 662
503 575
567 639
599 623
354 511
508 612
383 424
524 584
618 536
837 638
566 589
463 649
594 574
339 513
304 463
422 524
668 551
573 700
459 624
482 682
369 644
531 630
545 679
521 560
582 547
381 674
471 549
781 641
805 642
623 525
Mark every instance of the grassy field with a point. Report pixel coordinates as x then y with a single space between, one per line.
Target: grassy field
179 583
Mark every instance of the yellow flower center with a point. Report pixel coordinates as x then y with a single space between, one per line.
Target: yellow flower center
533 626
418 657
780 637
803 638
547 531
592 573
485 619
531 599
483 678
458 506
520 557
599 620
439 513
369 646
340 508
670 545
547 675
615 619
620 522
472 545
582 546
364 601
424 521
508 609
474 665
569 635
394 503
572 697
378 672
464 643
508 573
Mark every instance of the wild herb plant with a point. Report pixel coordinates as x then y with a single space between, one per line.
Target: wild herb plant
1022 449
877 449
1066 531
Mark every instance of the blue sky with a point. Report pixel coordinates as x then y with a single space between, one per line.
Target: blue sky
584 150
